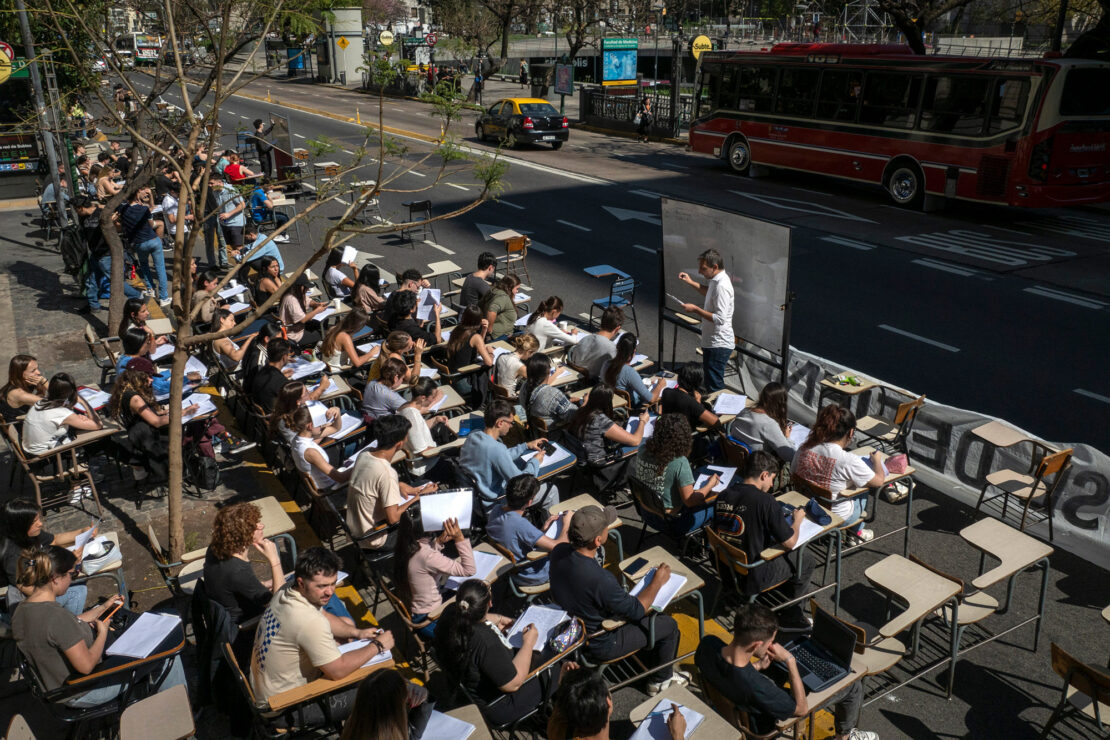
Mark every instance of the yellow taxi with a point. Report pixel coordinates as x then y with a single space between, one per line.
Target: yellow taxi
523 120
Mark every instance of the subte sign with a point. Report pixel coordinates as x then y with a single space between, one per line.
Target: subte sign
700 44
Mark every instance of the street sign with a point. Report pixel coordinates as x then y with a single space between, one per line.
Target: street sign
700 44
5 68
564 79
430 39
7 49
342 43
386 38
615 43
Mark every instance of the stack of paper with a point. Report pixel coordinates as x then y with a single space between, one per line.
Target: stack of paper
634 424
428 372
427 299
364 348
231 291
379 658
729 403
93 397
303 369
147 633
649 383
436 508
193 365
319 413
324 314
349 424
654 726
546 620
673 585
204 406
484 563
445 727
560 454
725 475
798 435
638 358
238 307
161 351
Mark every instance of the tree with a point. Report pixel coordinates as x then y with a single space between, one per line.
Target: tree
383 12
582 17
505 11
914 17
470 27
230 28
1093 43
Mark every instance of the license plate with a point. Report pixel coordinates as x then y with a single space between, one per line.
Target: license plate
549 138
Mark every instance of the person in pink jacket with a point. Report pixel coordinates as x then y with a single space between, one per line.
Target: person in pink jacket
420 567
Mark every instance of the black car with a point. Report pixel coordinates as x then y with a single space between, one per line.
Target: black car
519 120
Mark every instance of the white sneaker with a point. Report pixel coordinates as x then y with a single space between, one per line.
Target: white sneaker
281 239
858 734
865 535
678 678
165 301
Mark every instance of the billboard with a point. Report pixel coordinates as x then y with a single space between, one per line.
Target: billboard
618 63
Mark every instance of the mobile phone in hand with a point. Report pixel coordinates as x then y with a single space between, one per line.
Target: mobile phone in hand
548 448
107 615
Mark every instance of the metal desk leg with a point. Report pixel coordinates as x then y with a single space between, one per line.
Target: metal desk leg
909 518
954 648
701 613
836 590
292 543
620 544
1040 607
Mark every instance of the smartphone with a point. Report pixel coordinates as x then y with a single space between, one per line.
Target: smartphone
636 565
548 448
666 374
108 614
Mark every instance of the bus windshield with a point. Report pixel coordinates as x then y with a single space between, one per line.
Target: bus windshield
1086 92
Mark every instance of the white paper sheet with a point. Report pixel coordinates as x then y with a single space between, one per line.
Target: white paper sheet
356 644
227 293
204 406
561 453
319 413
649 383
96 399
798 435
162 350
428 372
324 314
438 404
497 352
350 423
654 726
140 639
867 459
238 307
83 538
353 458
427 299
302 369
446 333
350 254
726 475
193 365
445 727
364 348
522 321
807 532
546 620
634 424
521 298
673 585
436 508
484 563
556 528
729 403
638 358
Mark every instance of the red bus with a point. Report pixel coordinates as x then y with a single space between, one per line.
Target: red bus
1020 132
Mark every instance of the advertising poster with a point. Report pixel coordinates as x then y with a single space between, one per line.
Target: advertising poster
618 64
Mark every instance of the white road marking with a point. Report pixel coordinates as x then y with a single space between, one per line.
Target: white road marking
414 173
945 267
544 249
1011 231
573 226
400 110
919 338
644 249
511 205
348 151
1072 225
807 190
441 248
803 206
646 194
457 187
977 245
1061 295
1089 394
299 136
625 215
845 242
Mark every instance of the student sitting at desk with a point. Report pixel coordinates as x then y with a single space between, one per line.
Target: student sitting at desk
420 567
257 355
402 308
298 312
467 346
53 419
593 350
730 670
296 639
618 373
59 645
601 439
747 516
205 296
365 292
499 307
541 399
583 707
136 345
419 438
262 209
339 284
268 382
492 465
541 324
765 426
388 707
26 386
21 527
510 528
824 461
292 396
509 370
686 398
338 348
476 284
236 171
136 313
309 457
396 345
227 351
663 465
380 397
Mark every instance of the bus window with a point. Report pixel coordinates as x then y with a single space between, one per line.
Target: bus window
726 94
1086 92
839 96
1007 104
757 89
954 105
890 99
796 91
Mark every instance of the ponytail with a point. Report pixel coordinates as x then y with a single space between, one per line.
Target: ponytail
551 303
456 625
38 565
833 422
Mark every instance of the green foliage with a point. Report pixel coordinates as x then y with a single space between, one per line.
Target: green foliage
491 171
450 151
393 146
447 101
50 33
321 145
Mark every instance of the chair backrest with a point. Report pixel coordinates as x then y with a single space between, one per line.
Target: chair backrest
166 715
942 574
1054 464
237 674
726 553
735 453
156 545
623 287
505 552
18 729
646 498
1080 676
908 410
720 703
16 445
812 490
517 244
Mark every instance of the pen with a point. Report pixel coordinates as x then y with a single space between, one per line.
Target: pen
661 713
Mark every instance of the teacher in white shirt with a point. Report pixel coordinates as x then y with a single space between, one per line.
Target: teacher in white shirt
717 339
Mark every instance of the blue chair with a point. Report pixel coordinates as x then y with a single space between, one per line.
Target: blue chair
622 293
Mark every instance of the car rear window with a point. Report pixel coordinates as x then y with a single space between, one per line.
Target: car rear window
1086 92
538 109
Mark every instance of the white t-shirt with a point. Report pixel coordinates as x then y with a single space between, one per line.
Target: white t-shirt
44 429
505 372
335 277
301 446
831 466
720 299
169 208
547 332
419 439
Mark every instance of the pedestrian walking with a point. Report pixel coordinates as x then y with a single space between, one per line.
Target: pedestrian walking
262 146
479 81
523 73
644 118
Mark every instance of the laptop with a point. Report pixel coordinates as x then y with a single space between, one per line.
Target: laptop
825 656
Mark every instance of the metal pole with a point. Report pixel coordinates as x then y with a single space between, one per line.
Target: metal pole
40 110
1057 33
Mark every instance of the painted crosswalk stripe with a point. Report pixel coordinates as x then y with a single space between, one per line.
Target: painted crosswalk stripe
646 194
1090 394
414 173
299 136
945 267
457 187
1061 295
919 338
441 248
642 248
544 249
510 205
573 226
845 242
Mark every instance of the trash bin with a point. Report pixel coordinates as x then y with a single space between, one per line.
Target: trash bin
541 73
296 63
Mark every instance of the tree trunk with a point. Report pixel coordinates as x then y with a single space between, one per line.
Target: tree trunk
911 31
506 21
116 278
176 482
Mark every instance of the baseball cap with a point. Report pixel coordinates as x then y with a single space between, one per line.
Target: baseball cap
589 522
143 365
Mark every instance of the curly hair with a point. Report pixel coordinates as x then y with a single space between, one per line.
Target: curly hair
131 380
233 529
671 439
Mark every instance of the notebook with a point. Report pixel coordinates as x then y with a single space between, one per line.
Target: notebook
654 726
666 594
445 727
484 563
546 619
825 656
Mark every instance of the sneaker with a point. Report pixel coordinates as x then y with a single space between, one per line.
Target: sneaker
281 239
858 734
148 294
678 678
237 446
79 493
165 302
138 473
864 535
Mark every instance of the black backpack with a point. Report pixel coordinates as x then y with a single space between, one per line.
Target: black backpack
74 249
201 470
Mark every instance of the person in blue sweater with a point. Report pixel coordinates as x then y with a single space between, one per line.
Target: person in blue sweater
492 465
138 343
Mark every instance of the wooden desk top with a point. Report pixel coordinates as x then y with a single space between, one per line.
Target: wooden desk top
454 424
275 520
655 556
922 589
452 400
565 375
1000 434
161 326
797 500
579 502
322 686
1015 549
1106 614
618 402
817 699
713 727
505 235
849 390
337 387
472 715
110 664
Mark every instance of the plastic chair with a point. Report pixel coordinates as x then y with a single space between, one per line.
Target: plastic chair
525 592
733 562
166 715
97 346
516 255
732 714
1031 485
267 724
165 567
622 293
1086 691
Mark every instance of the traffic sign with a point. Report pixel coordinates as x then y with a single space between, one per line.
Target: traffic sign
430 39
5 68
700 44
342 42
386 38
7 49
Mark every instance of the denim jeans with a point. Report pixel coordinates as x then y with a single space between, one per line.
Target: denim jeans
98 283
215 246
74 599
859 503
144 252
170 673
714 360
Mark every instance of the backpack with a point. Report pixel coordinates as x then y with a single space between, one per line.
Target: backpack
201 470
74 249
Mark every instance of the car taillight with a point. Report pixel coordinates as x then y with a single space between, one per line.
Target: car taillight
1038 160
565 124
528 123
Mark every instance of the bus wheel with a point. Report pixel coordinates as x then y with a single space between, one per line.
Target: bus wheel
739 156
906 185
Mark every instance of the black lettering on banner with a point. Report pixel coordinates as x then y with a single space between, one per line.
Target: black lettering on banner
963 453
929 450
811 373
1098 498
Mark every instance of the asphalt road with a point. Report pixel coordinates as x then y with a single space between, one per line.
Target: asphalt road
999 310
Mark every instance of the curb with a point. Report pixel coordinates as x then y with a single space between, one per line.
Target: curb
625 134
18 204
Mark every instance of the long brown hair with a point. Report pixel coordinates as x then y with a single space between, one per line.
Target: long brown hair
833 422
380 710
626 350
551 303
351 323
17 367
287 401
137 382
470 323
772 401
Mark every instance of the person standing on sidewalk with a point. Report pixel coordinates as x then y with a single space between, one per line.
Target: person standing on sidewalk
98 281
262 147
137 231
523 73
717 338
645 118
479 80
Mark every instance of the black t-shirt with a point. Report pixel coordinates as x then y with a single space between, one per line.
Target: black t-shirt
747 688
266 386
584 589
9 555
163 185
751 520
233 584
489 665
414 330
675 401
473 288
94 237
135 219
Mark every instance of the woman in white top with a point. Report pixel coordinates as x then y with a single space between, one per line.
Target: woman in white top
310 457
338 348
824 461
227 351
171 212
49 421
508 370
339 283
297 310
294 395
420 429
541 324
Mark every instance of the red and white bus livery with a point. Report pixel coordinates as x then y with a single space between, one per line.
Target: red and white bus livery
1019 132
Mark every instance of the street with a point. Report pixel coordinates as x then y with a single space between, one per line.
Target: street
997 310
